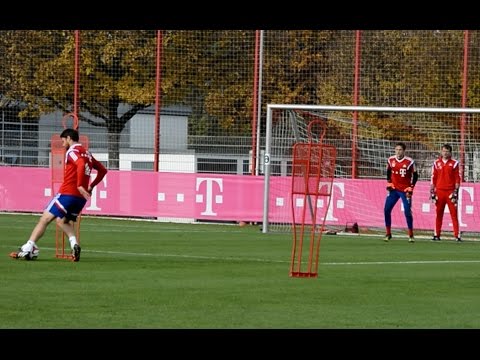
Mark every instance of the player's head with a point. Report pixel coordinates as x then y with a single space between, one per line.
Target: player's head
69 136
447 151
400 150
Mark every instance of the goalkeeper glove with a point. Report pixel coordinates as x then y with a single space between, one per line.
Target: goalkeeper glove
409 191
433 196
454 196
390 186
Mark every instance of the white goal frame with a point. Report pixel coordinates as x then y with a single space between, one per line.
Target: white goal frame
268 136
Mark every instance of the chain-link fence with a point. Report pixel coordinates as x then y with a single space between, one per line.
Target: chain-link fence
198 90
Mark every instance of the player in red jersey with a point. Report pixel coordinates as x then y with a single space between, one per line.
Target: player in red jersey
444 186
71 197
401 179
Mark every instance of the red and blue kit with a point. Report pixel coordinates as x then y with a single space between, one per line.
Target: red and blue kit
402 171
79 164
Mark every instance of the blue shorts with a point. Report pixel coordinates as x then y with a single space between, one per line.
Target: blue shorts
68 206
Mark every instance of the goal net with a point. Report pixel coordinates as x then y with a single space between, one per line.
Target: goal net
364 137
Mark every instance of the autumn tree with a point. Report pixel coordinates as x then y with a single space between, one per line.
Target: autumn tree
212 72
116 67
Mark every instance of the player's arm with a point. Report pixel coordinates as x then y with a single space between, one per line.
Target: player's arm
456 174
433 181
101 172
457 177
413 181
414 177
390 185
82 170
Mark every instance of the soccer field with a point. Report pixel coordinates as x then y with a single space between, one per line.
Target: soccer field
151 275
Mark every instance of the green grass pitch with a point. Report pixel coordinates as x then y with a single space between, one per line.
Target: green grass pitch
151 275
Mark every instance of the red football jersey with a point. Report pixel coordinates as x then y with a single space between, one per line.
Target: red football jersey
79 164
402 171
445 174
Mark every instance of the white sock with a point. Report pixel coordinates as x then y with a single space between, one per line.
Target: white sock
73 241
28 246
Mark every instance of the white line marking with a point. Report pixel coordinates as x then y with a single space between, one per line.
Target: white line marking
238 259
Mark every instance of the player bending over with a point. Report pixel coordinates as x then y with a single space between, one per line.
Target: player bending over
72 196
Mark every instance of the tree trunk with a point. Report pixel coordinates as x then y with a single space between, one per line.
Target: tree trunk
113 150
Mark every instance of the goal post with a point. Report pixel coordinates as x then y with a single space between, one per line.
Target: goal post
363 143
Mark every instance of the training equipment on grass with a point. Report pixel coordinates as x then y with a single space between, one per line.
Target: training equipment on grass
313 170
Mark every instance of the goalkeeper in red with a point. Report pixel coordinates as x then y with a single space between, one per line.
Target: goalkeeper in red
444 186
72 196
401 179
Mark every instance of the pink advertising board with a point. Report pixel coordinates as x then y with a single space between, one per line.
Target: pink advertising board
229 198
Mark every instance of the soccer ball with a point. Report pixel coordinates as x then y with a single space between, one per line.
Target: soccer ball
33 255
